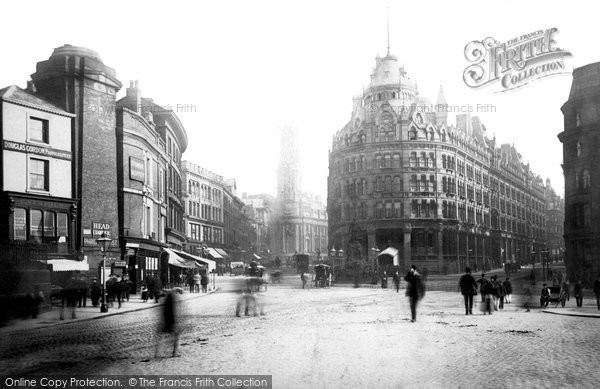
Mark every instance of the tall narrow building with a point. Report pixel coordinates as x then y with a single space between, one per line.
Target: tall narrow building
581 145
77 81
300 219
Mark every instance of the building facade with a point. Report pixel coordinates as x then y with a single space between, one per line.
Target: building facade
204 200
77 81
36 176
258 209
144 204
555 219
582 177
444 196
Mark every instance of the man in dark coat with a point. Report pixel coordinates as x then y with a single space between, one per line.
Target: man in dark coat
468 288
597 290
415 290
578 291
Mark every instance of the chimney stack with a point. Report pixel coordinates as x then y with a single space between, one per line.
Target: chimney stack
134 96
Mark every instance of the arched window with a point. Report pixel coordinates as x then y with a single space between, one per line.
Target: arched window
586 179
388 184
413 183
431 161
413 159
378 161
432 183
379 184
444 185
396 162
397 184
444 165
412 134
578 149
388 160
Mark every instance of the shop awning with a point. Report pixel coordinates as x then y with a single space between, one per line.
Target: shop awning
213 253
392 252
68 265
222 252
181 259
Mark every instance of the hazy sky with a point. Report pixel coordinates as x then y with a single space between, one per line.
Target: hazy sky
250 67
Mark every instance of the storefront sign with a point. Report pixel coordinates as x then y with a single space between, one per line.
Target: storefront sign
35 149
137 171
92 242
99 228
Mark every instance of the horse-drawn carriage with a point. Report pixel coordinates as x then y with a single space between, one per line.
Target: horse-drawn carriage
322 275
557 296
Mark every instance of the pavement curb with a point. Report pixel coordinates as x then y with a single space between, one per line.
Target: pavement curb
123 312
576 314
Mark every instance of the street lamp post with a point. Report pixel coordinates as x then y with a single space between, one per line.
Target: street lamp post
104 243
332 254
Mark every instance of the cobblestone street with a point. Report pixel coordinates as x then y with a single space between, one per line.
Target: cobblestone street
339 337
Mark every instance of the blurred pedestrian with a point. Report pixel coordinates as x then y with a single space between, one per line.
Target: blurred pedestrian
566 289
69 299
397 281
126 287
532 277
482 281
501 292
468 288
384 280
415 290
204 281
82 291
597 290
486 289
578 292
197 281
303 279
144 291
508 291
95 292
190 281
35 299
169 321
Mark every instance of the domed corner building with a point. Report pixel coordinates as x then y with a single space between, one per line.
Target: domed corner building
443 197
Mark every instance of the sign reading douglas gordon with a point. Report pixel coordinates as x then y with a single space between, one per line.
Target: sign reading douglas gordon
137 172
516 62
35 149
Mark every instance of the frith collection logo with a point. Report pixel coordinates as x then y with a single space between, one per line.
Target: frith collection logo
516 62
